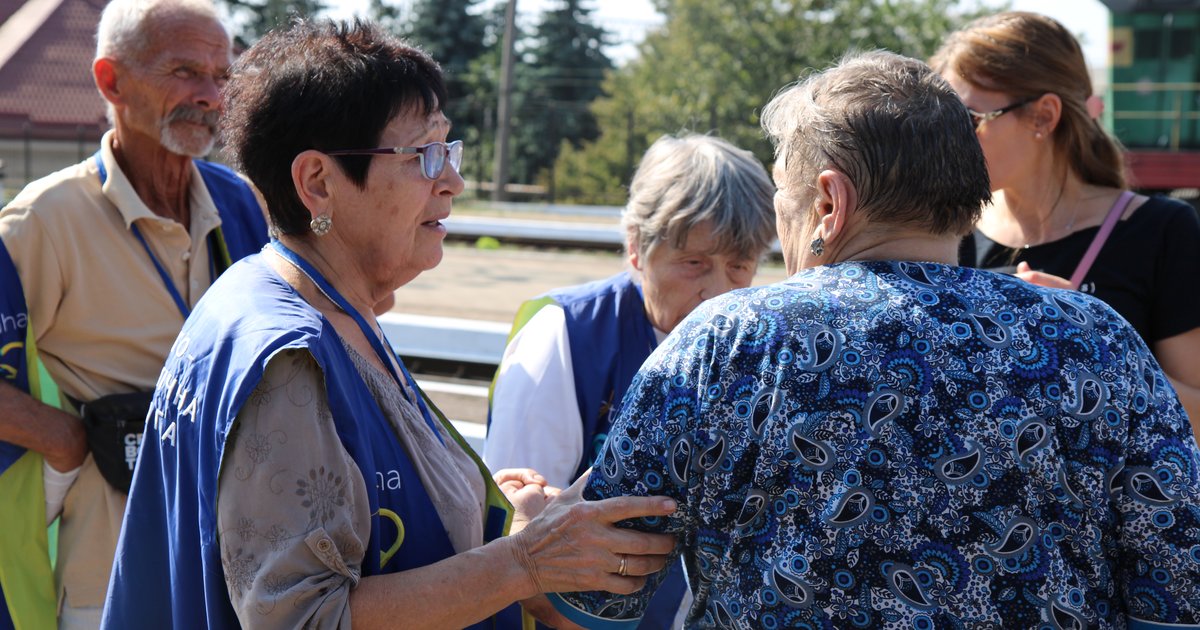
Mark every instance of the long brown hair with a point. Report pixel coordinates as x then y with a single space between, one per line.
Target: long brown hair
1026 55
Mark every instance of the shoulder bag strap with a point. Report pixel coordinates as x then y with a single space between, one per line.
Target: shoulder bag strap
1106 228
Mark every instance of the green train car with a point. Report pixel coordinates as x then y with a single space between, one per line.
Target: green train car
1153 98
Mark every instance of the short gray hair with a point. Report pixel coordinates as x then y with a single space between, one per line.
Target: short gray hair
682 182
896 129
124 31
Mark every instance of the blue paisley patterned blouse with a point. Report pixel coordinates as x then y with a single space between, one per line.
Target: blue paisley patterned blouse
904 445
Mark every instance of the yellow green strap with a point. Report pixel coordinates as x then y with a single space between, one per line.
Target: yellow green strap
221 251
25 573
528 309
495 497
26 553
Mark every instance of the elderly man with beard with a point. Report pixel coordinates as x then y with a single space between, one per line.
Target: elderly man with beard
100 263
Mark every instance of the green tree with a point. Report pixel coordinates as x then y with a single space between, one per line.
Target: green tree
481 89
714 63
256 17
453 33
387 15
567 66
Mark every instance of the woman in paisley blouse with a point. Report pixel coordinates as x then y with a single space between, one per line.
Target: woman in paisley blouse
294 475
888 440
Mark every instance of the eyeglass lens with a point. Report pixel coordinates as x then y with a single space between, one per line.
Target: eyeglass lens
435 156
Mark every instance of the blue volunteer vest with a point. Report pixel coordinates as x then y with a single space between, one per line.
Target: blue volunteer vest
167 572
27 597
610 338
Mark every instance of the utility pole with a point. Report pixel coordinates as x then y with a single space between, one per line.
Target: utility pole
500 168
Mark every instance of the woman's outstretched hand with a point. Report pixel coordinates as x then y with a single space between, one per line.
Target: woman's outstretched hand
573 545
1041 278
527 491
512 479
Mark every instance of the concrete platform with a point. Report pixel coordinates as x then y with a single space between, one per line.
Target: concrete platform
490 284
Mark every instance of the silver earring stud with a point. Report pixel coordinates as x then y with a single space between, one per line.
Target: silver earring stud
320 224
817 247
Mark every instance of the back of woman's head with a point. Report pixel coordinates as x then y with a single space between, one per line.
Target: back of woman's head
326 86
1026 55
895 129
682 182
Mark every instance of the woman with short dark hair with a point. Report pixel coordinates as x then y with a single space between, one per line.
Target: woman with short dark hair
294 475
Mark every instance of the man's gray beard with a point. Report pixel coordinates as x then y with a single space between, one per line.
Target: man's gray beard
186 140
183 142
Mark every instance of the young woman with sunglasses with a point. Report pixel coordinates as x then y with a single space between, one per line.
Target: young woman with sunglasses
1056 176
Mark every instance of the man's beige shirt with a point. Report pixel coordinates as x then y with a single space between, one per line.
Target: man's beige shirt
102 319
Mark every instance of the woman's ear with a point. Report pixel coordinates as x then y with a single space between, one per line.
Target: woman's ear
836 200
1047 112
312 173
631 250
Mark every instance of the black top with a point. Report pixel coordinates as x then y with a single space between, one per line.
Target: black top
1148 270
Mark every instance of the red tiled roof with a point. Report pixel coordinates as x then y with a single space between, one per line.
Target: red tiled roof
48 80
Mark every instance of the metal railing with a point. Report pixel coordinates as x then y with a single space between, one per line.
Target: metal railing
452 340
446 338
590 235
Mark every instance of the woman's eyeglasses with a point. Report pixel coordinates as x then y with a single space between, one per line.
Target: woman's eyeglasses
978 118
434 156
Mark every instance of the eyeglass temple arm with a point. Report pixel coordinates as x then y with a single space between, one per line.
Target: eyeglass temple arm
380 151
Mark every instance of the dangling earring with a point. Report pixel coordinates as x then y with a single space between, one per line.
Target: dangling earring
320 224
817 247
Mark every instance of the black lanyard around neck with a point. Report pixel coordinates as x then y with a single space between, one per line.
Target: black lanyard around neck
382 350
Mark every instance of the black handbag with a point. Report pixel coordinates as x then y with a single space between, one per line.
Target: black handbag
114 426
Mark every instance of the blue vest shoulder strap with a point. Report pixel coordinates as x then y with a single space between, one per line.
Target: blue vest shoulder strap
243 227
610 338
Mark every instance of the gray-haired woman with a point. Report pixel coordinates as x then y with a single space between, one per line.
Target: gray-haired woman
699 218
887 440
